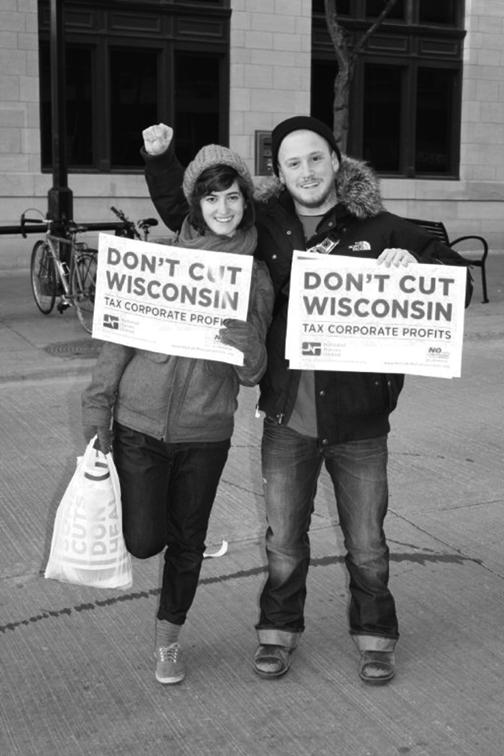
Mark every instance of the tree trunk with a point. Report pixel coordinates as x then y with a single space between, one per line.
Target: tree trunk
342 80
346 65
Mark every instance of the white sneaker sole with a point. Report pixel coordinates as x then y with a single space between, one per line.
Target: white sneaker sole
169 680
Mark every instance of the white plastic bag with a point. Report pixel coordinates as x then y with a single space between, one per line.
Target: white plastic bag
87 545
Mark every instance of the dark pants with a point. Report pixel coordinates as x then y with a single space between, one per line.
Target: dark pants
167 495
358 469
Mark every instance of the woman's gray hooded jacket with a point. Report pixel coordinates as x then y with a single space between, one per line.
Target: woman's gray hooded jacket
177 399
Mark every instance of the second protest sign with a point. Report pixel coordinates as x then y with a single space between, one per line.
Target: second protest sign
353 314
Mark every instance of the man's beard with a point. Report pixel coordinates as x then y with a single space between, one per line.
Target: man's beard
323 199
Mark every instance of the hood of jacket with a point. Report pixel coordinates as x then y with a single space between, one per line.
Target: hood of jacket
357 188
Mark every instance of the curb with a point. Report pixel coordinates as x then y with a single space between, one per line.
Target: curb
45 374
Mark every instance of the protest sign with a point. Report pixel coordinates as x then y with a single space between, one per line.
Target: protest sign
169 299
353 314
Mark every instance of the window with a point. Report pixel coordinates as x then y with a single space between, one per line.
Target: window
382 116
436 102
197 103
434 12
375 7
404 115
133 101
343 7
79 106
322 86
126 68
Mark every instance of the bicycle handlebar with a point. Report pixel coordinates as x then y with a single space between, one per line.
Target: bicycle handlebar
67 226
32 225
25 220
120 214
130 226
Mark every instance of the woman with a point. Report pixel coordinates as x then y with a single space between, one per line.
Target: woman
172 417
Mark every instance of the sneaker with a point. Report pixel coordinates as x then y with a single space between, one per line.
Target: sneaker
170 665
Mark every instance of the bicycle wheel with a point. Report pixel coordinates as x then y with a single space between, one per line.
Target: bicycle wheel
43 277
84 286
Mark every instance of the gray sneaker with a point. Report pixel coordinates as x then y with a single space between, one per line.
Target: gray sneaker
170 665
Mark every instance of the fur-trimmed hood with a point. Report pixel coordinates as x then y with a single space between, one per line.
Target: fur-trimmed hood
357 188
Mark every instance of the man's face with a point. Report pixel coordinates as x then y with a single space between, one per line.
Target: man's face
307 167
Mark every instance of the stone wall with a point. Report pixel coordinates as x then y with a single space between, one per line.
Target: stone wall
270 67
269 80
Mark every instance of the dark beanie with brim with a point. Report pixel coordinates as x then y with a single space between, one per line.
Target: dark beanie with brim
298 123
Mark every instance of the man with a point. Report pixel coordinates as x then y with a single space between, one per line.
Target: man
322 201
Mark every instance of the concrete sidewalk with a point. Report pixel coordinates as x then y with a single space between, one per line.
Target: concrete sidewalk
77 668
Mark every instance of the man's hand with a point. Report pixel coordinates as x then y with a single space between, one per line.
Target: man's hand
396 257
157 138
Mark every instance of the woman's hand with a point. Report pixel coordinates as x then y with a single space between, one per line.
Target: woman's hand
242 336
104 437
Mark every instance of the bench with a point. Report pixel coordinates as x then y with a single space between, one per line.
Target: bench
438 229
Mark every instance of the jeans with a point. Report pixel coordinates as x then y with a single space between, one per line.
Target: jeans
358 469
167 493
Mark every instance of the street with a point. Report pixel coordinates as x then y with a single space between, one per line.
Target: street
77 664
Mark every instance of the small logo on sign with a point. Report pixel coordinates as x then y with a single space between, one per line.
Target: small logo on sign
313 348
111 321
437 353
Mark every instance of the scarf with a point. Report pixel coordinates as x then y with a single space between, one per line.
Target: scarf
241 243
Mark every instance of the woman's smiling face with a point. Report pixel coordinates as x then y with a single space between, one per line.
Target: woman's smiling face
223 211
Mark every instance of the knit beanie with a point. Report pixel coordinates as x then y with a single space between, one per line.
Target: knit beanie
209 156
307 123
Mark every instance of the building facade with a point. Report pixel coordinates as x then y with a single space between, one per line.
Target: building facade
229 70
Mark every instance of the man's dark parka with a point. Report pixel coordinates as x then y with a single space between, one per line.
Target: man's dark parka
350 406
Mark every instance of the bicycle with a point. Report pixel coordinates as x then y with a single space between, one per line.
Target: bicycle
65 268
62 267
131 229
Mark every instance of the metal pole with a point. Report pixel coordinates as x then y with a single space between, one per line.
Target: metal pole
60 198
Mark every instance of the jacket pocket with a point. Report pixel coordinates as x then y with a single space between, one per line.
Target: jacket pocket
360 394
216 369
395 383
158 357
209 396
145 385
387 388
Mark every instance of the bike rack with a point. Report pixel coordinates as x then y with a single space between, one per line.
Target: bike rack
37 229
